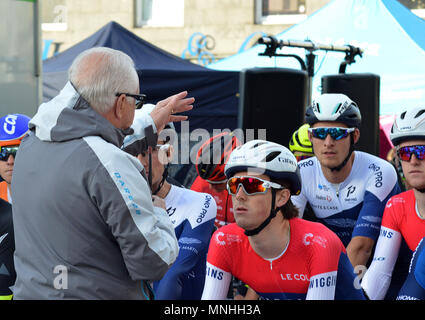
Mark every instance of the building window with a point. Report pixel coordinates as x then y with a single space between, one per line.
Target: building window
159 13
54 15
413 4
280 11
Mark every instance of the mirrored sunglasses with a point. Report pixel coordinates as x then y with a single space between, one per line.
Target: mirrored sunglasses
405 153
251 185
336 133
5 152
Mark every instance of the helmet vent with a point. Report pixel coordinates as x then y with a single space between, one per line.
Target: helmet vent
419 113
403 115
258 144
339 107
271 156
318 108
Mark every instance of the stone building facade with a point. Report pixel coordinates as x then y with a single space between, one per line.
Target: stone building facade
169 24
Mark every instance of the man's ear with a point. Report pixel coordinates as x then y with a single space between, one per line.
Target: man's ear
119 106
282 197
356 135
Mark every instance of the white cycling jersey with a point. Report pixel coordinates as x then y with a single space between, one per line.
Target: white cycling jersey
192 215
354 207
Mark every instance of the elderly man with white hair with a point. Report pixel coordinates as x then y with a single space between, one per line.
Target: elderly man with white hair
86 226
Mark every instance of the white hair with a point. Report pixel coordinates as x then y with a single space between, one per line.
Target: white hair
99 73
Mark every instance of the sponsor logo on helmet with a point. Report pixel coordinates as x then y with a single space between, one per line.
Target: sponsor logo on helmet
341 109
9 125
286 160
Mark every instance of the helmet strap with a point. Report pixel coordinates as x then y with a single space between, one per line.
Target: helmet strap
350 151
273 213
164 176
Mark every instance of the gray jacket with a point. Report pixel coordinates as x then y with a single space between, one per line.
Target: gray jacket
85 226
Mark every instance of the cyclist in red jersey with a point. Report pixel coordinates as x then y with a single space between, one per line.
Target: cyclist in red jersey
404 215
210 162
278 255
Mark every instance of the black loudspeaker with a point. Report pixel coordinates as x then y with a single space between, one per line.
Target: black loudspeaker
273 99
363 89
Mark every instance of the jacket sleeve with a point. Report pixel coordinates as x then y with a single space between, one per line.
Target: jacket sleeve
144 233
193 249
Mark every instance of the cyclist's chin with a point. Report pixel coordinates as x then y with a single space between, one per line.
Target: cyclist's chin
330 162
244 223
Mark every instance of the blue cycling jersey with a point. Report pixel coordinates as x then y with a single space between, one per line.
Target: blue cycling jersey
354 207
193 215
414 286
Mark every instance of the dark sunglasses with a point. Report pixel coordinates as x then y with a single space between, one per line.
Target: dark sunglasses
405 153
5 152
336 133
140 98
251 185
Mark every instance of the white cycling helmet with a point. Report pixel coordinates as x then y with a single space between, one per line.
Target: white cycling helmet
409 125
336 107
266 157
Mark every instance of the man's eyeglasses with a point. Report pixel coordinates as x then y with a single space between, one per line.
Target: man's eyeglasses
5 152
405 153
251 185
140 98
336 133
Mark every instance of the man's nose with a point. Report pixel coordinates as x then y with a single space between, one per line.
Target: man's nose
329 140
240 192
11 160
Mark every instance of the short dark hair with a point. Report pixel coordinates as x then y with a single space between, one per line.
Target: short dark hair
289 210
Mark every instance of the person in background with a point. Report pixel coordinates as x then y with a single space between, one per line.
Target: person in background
414 286
13 127
346 189
7 248
210 161
192 215
300 144
86 225
404 215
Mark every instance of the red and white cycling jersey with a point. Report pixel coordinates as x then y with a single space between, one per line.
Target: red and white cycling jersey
401 215
306 269
400 220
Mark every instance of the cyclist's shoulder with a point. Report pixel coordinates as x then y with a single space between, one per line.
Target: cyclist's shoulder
373 164
199 185
309 168
313 234
229 234
191 202
401 200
